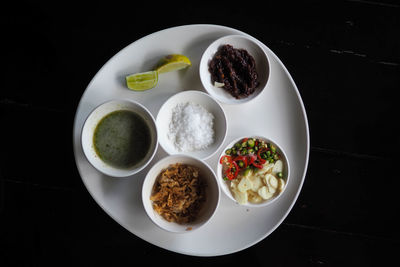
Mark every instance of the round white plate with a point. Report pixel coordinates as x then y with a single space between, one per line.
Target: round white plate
278 114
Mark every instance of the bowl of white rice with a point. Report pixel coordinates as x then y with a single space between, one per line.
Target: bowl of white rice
191 123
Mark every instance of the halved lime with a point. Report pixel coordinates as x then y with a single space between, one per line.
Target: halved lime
142 81
173 62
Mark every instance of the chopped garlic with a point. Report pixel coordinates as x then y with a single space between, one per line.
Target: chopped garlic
267 167
218 84
244 185
256 182
281 184
278 167
240 197
271 180
258 186
264 193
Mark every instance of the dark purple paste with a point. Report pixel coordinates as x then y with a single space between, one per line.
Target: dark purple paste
236 69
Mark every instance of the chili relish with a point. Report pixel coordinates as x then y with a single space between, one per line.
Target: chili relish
248 154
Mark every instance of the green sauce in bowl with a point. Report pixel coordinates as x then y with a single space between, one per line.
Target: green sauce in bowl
122 139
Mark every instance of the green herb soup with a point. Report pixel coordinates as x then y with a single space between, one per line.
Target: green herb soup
122 138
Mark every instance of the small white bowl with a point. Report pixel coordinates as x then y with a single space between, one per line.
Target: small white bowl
90 125
164 117
225 185
239 42
208 207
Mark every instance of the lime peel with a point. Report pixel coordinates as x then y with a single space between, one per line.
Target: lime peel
147 80
173 62
142 81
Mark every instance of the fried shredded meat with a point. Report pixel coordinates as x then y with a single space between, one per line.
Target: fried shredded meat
178 193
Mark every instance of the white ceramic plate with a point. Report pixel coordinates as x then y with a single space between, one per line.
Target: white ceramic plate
277 113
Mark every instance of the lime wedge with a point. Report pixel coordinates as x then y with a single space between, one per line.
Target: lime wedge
172 62
142 81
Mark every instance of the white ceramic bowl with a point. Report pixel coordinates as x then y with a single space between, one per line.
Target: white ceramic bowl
239 42
90 125
209 206
164 117
225 185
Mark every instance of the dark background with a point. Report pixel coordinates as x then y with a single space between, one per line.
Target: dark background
345 59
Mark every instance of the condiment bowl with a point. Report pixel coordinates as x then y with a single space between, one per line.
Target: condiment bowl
253 47
166 130
89 127
208 208
226 183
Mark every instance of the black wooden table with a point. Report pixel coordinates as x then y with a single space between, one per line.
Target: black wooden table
345 59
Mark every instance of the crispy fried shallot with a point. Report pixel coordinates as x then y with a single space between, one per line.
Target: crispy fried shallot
178 193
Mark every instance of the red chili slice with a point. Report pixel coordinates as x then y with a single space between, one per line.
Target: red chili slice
230 173
260 151
251 158
258 164
241 158
228 158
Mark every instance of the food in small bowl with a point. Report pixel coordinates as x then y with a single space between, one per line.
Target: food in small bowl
180 193
119 138
191 123
234 69
253 171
